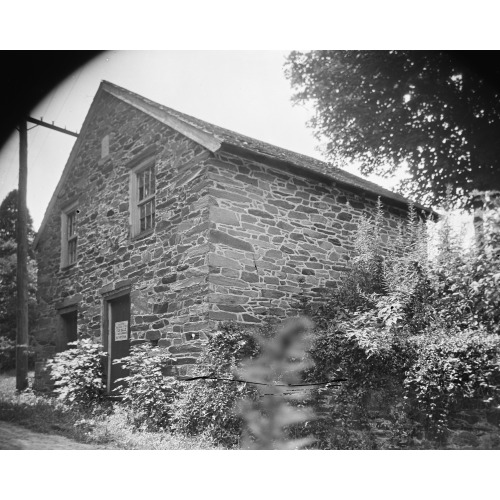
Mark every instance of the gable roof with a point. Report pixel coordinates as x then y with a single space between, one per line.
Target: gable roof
216 138
227 137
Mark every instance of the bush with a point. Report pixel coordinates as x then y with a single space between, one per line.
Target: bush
277 418
147 392
7 354
78 374
409 332
208 406
458 366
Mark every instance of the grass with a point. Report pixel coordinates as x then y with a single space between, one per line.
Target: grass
106 427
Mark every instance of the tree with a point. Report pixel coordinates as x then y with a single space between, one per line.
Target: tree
431 110
8 267
8 219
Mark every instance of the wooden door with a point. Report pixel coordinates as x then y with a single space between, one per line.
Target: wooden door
69 330
118 340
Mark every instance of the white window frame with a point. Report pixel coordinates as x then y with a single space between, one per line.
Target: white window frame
135 203
65 237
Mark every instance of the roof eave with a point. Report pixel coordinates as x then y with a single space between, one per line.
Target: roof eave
205 139
314 174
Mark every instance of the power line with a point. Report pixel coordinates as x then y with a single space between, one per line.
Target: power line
58 113
69 93
211 377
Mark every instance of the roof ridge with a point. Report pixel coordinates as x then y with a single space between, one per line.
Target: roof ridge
194 121
240 140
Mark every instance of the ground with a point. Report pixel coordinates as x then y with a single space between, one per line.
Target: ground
19 437
15 437
29 421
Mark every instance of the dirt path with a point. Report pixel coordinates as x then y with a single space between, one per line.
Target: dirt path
15 437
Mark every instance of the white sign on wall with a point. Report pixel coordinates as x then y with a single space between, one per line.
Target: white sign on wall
121 330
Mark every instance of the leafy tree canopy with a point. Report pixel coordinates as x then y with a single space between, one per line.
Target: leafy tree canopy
8 267
8 218
431 110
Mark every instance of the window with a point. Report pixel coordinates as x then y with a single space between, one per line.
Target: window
105 146
69 238
142 198
71 219
69 328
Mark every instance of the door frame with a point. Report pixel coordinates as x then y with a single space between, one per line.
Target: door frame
61 339
108 298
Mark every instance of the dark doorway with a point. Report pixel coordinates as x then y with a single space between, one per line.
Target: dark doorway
69 332
118 340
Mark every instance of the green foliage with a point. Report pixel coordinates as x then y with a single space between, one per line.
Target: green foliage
7 354
228 347
8 269
279 365
146 392
459 365
208 406
385 108
423 337
78 374
104 426
116 429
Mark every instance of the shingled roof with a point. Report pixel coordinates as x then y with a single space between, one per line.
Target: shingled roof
229 137
217 138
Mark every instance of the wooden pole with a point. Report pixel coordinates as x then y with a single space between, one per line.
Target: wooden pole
22 263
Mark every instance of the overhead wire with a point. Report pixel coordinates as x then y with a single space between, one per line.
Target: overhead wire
58 113
10 161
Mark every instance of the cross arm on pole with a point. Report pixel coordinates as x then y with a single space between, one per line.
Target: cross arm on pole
51 126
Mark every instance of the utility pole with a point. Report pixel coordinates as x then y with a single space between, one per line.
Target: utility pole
22 263
22 251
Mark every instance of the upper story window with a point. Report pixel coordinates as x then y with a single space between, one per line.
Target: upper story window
105 146
72 237
69 236
142 198
146 198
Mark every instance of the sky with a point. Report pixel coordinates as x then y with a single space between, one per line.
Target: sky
244 91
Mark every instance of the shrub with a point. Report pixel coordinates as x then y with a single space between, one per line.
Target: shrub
7 354
78 374
271 419
146 391
372 385
208 406
452 367
403 325
115 430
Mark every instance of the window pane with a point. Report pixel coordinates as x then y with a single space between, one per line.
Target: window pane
72 251
146 183
146 189
71 220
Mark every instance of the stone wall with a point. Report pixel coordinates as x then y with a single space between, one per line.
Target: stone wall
274 234
165 271
234 239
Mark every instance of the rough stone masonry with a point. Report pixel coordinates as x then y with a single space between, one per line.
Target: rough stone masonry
235 237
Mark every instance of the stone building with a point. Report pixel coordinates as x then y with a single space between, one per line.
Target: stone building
163 225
